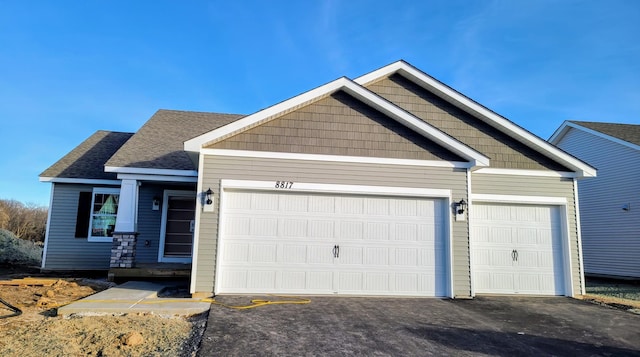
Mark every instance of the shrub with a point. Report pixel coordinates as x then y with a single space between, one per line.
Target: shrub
16 251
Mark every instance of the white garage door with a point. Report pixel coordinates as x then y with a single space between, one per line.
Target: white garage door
331 244
517 249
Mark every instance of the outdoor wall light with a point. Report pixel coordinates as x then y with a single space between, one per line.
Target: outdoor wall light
208 201
460 206
155 204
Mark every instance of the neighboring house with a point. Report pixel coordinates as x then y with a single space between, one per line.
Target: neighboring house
609 204
389 184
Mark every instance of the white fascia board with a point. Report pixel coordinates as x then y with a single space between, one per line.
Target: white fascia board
517 172
559 133
80 181
360 93
566 126
334 158
196 143
470 106
163 178
145 171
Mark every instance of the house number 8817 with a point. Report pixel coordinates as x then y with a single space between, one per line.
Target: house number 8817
284 184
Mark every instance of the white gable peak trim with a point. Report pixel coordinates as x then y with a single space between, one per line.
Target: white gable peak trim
333 158
461 101
359 92
559 134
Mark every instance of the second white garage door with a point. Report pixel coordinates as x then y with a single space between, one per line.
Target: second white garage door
303 243
517 249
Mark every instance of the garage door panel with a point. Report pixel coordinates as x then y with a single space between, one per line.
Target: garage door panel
350 230
517 249
290 249
377 231
265 202
295 254
236 253
263 253
263 226
322 204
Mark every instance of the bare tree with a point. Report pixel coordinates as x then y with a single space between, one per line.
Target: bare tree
27 222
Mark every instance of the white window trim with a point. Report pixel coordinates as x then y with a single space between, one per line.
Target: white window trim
98 190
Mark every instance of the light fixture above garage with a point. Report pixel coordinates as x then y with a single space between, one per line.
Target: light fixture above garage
208 193
461 206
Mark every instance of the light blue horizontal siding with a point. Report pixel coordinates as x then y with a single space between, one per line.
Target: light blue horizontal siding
64 251
610 235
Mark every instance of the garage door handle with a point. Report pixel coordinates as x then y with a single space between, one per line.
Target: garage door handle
514 255
336 251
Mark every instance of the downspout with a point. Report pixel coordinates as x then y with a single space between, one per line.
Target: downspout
469 208
46 235
579 228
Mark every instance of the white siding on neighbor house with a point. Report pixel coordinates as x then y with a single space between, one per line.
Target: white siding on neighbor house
610 235
242 168
514 185
64 251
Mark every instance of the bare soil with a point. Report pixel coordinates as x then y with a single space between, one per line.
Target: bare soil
38 331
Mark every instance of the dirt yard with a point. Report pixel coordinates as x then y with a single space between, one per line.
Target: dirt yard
39 332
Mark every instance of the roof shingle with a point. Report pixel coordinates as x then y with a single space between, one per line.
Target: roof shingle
87 160
159 142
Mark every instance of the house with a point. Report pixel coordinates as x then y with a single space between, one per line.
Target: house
389 184
610 204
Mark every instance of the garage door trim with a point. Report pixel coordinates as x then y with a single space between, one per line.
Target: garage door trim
302 187
560 202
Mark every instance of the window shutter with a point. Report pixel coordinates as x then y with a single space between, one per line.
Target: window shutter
83 215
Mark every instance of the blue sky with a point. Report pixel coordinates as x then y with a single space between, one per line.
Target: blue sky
69 68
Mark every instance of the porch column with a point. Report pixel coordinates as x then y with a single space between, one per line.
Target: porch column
123 250
127 207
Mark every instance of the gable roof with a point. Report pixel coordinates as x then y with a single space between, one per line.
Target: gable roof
625 134
86 161
158 145
479 111
355 90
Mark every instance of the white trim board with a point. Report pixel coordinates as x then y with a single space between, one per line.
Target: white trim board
519 199
80 181
360 93
332 188
516 172
470 106
334 158
145 171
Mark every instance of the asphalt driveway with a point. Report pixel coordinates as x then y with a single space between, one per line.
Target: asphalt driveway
497 326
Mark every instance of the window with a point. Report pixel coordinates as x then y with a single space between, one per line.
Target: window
104 208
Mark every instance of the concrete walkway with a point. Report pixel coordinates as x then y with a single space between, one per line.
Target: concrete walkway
134 297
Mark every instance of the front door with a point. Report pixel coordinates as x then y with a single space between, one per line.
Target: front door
178 223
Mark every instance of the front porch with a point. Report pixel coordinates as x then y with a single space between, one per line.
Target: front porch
151 271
